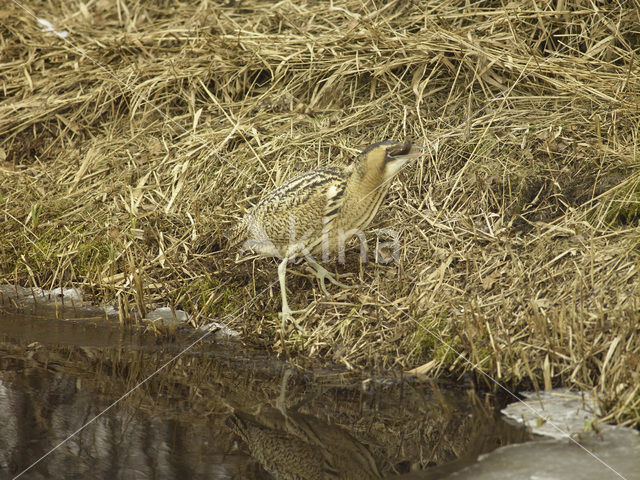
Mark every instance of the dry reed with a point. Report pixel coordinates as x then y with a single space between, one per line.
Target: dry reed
130 146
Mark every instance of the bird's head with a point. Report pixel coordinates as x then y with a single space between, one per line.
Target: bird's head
388 157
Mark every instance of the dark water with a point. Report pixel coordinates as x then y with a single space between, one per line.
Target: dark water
80 398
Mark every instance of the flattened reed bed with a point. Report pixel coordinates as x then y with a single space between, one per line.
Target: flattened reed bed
128 148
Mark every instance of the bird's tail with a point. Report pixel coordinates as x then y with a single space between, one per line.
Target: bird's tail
236 235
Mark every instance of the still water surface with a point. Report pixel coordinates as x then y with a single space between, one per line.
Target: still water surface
212 412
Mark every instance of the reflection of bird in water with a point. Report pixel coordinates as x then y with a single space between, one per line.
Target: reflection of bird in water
293 445
317 212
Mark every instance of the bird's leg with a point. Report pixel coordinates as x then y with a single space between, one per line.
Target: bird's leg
322 273
281 403
286 311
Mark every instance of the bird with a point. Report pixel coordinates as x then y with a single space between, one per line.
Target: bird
320 210
293 445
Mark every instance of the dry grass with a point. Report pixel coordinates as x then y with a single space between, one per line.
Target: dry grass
128 151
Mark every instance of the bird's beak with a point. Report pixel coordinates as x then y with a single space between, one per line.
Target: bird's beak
398 156
407 151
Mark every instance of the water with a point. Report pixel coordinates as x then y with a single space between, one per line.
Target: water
210 413
83 397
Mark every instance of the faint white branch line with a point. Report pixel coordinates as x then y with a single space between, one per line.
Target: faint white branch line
475 367
174 358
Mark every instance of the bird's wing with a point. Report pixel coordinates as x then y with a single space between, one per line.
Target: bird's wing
297 212
335 200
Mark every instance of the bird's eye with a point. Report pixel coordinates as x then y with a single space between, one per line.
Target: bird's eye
402 149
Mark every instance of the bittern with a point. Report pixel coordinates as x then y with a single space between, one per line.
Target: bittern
318 211
300 446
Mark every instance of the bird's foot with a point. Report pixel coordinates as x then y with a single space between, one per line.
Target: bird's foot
287 316
323 274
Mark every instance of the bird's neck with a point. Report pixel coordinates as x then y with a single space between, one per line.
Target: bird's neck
364 194
363 181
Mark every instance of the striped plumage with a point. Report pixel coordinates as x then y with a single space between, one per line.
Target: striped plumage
294 445
298 210
316 212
